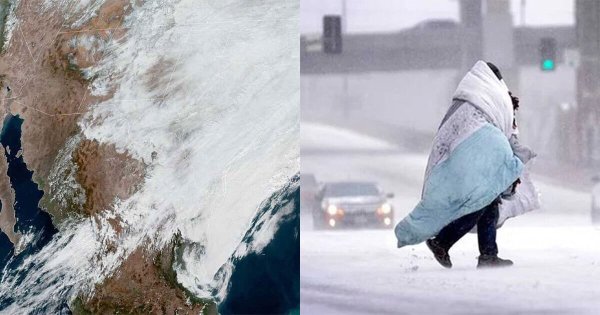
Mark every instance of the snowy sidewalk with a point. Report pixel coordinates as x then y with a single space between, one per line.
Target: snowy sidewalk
557 270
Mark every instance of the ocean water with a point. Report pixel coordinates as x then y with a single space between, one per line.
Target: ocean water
30 218
268 282
32 222
6 250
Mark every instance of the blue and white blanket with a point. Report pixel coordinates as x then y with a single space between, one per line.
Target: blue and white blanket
471 162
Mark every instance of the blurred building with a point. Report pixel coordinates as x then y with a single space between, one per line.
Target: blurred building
398 85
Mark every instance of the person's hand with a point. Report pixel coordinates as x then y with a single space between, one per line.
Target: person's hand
515 101
514 186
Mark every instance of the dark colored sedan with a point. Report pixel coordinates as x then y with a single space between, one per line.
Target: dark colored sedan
353 204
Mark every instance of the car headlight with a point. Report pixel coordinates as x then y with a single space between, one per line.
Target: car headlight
332 210
385 208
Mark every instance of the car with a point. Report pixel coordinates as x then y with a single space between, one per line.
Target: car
308 192
596 200
352 204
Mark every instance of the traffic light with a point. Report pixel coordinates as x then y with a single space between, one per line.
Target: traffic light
332 34
548 54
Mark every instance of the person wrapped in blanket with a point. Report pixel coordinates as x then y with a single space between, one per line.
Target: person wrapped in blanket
476 162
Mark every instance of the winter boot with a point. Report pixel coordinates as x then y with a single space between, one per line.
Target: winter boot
440 253
491 261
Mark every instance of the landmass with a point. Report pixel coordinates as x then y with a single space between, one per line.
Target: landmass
43 80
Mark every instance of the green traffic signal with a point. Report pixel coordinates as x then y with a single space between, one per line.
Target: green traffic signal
548 50
548 64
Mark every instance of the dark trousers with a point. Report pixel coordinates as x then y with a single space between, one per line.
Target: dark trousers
485 219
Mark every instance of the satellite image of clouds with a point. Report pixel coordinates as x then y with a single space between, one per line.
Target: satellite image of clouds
150 158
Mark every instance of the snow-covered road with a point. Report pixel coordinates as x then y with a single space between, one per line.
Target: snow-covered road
556 250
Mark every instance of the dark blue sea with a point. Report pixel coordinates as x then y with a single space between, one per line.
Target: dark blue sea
30 218
269 282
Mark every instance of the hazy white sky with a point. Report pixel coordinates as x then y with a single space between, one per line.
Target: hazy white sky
392 15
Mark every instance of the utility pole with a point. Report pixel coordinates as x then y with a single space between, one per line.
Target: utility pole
346 98
498 41
523 8
471 33
344 17
587 15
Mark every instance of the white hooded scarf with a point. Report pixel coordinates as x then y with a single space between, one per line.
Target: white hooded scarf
481 87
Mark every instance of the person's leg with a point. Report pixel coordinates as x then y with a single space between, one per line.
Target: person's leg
449 235
486 229
458 228
486 234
